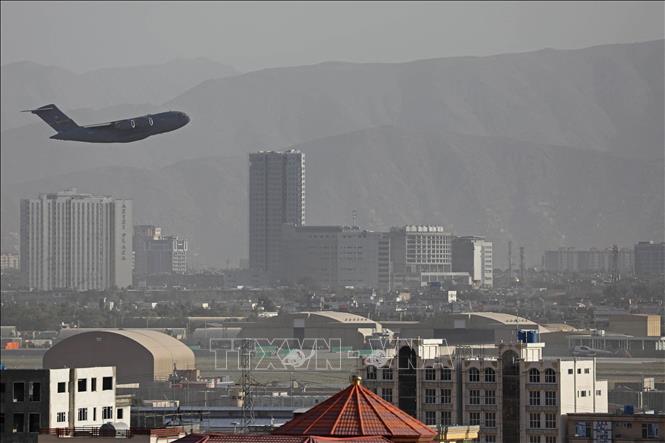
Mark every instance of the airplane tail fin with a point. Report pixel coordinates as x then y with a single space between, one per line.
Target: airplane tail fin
57 119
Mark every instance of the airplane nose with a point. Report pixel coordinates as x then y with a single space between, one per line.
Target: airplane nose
186 118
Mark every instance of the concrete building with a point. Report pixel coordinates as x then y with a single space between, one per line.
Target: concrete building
474 255
276 196
637 325
76 241
419 255
157 254
335 256
140 355
9 261
650 258
592 260
35 400
514 396
616 428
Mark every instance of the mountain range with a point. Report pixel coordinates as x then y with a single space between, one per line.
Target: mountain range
547 149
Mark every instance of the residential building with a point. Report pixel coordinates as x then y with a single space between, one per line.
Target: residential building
592 260
650 258
35 400
9 261
363 259
624 427
158 254
515 395
419 255
474 255
276 196
76 241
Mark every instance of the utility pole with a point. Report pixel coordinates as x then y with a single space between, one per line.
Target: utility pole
246 386
522 266
510 263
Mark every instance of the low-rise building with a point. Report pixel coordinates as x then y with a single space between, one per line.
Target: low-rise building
41 400
616 428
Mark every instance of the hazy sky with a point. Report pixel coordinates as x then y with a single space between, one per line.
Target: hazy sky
86 35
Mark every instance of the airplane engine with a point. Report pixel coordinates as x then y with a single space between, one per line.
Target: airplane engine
135 123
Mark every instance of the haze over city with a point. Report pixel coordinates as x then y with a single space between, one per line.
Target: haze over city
333 221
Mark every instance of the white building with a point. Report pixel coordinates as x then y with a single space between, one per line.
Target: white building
9 261
76 241
419 254
474 256
62 398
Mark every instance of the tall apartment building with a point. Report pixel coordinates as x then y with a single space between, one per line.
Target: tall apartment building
514 396
591 260
474 255
419 254
39 399
334 256
276 196
650 258
76 241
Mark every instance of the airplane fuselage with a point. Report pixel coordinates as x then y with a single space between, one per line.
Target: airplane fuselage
125 131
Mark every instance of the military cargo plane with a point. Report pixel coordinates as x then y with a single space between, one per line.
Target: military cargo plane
119 131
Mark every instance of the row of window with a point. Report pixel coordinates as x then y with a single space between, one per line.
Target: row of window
445 397
490 419
444 418
535 420
534 398
82 384
18 424
537 439
107 414
34 391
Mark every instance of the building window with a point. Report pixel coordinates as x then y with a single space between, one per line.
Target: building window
430 396
474 418
118 413
430 417
430 374
583 393
649 430
550 439
474 397
446 374
534 420
61 417
550 421
19 423
93 384
371 372
62 387
82 384
107 383
599 393
550 398
387 373
33 423
490 375
490 439
446 418
579 370
534 375
534 398
107 412
19 392
570 371
34 391
586 370
474 375
550 375
387 394
490 397
534 439
490 419
94 414
445 396
83 414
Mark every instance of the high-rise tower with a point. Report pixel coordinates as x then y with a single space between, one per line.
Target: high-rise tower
276 196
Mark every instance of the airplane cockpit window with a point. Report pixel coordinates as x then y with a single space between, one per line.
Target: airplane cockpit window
133 123
150 122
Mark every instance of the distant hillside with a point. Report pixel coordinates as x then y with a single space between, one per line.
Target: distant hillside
548 148
537 195
27 85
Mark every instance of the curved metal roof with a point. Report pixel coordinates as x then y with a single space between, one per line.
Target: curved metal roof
342 317
500 317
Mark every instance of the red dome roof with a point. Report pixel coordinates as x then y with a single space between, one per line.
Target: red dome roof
357 411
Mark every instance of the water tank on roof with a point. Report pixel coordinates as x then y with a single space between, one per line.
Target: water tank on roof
528 336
